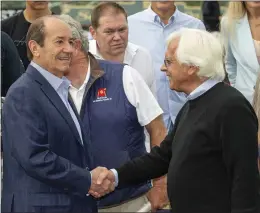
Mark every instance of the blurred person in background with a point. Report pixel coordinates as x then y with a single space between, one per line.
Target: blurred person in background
11 65
17 25
150 29
241 33
218 36
211 15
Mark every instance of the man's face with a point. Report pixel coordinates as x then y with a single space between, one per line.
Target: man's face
38 5
177 73
162 5
111 34
55 55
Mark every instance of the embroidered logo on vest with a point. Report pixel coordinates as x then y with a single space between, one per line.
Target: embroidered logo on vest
102 95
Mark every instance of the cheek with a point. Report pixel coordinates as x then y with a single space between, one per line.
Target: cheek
103 41
125 37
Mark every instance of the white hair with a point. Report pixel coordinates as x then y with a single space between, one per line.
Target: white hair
77 31
201 49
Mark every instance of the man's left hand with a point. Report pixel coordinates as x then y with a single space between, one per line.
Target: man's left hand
158 194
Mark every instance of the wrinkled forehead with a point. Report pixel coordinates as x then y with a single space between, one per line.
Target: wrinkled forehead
55 28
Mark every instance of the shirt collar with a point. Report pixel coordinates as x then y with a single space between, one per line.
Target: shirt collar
54 81
204 87
130 51
87 76
94 50
157 19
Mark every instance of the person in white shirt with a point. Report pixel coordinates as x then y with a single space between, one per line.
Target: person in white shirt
115 104
110 41
110 33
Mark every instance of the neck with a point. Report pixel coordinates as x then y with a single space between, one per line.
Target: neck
31 15
165 15
79 70
253 13
192 85
116 58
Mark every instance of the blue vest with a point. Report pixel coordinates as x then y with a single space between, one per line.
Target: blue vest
112 126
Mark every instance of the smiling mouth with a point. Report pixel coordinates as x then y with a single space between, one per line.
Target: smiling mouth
67 58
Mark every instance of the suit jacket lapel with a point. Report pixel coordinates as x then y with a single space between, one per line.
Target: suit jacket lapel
55 99
246 43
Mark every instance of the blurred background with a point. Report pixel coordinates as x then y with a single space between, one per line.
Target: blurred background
80 10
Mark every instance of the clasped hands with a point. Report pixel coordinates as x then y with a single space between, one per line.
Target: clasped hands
102 183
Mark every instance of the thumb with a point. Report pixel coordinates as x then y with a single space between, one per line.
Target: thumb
102 176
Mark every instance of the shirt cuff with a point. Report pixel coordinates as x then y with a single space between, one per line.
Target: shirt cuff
90 181
116 176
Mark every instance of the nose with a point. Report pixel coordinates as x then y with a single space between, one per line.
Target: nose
163 68
69 48
116 36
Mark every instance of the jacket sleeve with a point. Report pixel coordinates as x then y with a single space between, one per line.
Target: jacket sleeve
29 145
152 165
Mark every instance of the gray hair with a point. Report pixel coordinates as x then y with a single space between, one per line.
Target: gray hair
201 49
77 31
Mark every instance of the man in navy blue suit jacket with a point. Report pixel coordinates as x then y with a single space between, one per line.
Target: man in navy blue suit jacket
47 161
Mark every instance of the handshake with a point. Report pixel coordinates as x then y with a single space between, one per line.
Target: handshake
102 183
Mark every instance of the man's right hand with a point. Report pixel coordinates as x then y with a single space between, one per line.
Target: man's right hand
102 183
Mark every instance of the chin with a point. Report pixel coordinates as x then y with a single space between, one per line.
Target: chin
175 88
165 5
40 5
64 69
118 51
66 72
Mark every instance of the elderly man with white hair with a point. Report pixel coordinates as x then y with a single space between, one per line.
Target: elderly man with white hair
210 155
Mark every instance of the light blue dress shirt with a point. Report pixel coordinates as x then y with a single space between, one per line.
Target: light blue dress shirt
61 86
200 90
147 30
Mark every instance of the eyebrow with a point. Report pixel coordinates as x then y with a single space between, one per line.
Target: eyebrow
59 37
119 28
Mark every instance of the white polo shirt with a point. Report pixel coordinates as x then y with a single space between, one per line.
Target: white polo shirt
137 93
136 57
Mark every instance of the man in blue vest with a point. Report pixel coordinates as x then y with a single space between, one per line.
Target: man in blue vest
115 104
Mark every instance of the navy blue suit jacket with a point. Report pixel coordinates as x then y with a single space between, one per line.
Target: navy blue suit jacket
46 167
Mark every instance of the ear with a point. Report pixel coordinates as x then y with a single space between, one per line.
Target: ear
34 48
77 44
193 70
93 32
